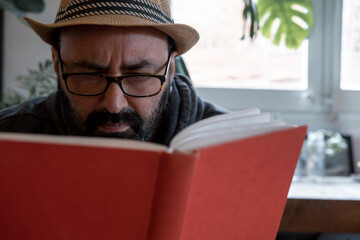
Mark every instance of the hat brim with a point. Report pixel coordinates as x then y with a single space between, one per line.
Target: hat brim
185 37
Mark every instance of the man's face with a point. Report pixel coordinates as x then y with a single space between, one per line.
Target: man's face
113 51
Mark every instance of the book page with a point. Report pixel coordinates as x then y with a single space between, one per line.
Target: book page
83 141
234 121
229 130
213 121
226 135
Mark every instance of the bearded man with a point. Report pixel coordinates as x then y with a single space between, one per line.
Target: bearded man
116 74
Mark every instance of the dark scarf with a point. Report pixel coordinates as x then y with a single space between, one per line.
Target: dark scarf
183 109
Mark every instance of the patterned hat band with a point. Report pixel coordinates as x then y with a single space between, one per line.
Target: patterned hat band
139 8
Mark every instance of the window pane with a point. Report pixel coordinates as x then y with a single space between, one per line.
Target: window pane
350 46
221 59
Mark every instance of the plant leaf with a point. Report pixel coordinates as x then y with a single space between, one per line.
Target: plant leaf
35 84
34 6
9 6
289 13
11 98
250 14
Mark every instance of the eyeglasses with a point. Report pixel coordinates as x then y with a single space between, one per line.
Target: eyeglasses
94 84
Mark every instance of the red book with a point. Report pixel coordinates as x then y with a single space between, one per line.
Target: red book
56 187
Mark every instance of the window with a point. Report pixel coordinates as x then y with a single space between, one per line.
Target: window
239 74
222 59
350 46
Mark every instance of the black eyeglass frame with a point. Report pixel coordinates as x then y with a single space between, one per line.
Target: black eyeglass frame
111 79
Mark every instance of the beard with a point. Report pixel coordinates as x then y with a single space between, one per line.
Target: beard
141 128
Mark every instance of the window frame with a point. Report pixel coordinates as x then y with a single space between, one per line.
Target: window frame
323 95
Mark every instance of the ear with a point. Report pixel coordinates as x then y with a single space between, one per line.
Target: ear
55 58
172 64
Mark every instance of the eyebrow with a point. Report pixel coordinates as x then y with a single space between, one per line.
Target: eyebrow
90 66
144 64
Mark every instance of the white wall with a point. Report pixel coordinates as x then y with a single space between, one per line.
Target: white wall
23 49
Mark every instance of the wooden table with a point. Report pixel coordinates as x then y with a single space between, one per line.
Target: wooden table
331 204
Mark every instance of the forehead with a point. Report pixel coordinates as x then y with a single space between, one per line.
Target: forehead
130 40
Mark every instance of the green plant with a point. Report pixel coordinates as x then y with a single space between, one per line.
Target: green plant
250 12
294 18
20 7
36 83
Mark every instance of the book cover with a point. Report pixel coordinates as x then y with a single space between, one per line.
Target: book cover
63 188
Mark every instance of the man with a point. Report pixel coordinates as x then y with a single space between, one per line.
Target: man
116 74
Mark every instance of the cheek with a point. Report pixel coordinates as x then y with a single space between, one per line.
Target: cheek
83 106
144 106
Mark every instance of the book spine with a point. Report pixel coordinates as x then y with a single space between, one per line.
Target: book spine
171 196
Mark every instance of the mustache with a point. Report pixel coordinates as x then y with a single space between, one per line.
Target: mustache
102 117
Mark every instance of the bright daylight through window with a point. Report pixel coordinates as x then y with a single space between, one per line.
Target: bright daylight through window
222 59
350 49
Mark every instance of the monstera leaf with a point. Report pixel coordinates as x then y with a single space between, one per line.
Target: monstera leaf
34 6
295 20
20 7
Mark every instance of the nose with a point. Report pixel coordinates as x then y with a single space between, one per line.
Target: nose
114 99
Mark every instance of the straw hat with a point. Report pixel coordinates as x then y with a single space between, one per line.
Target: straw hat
145 13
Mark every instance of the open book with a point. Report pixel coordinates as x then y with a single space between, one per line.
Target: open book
208 132
225 177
